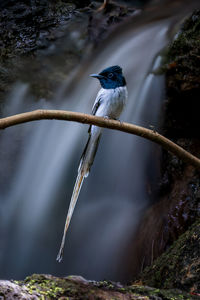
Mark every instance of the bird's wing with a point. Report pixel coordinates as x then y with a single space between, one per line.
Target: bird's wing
97 103
95 108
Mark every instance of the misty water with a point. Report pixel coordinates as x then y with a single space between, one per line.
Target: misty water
39 164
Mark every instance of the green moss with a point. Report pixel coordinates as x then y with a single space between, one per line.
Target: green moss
181 60
47 288
178 266
160 293
122 290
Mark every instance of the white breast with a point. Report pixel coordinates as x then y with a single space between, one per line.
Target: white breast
112 102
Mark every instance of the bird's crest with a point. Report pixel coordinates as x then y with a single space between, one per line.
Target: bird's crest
114 69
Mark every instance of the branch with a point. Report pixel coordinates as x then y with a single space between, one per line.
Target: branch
101 122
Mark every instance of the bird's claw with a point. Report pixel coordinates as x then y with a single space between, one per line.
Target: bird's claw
116 119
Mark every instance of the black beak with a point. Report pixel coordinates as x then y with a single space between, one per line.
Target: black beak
97 76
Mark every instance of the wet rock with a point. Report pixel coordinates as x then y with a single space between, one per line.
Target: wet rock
181 125
80 4
183 82
24 24
49 39
103 22
166 220
75 288
179 266
30 33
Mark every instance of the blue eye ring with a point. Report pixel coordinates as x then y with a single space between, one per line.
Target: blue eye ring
110 75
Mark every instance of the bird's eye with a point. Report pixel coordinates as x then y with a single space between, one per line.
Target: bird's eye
110 75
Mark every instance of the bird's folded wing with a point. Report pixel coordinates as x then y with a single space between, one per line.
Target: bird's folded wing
94 109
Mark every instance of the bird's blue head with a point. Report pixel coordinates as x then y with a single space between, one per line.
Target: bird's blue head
111 78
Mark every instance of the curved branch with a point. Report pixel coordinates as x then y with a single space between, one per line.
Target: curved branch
102 122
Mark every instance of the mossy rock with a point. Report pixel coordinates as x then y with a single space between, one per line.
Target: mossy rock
47 287
179 266
182 70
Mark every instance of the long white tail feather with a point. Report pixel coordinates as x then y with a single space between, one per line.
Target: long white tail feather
87 159
76 191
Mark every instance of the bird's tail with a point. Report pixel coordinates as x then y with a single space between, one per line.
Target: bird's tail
87 159
76 191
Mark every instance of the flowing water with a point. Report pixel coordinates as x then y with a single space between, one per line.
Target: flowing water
39 164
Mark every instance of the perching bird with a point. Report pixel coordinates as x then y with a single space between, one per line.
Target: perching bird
109 103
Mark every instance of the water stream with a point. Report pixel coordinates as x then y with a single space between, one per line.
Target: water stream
35 193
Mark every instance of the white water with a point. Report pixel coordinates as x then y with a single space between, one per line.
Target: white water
113 197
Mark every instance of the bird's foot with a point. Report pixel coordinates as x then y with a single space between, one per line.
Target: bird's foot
117 119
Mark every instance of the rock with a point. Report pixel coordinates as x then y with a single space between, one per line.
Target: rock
181 183
103 22
30 35
165 221
75 287
179 266
49 38
183 82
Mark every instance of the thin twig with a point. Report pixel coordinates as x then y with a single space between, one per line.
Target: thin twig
102 122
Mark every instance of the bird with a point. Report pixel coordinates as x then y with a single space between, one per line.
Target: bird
109 103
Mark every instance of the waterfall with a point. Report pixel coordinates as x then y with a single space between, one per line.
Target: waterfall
37 190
